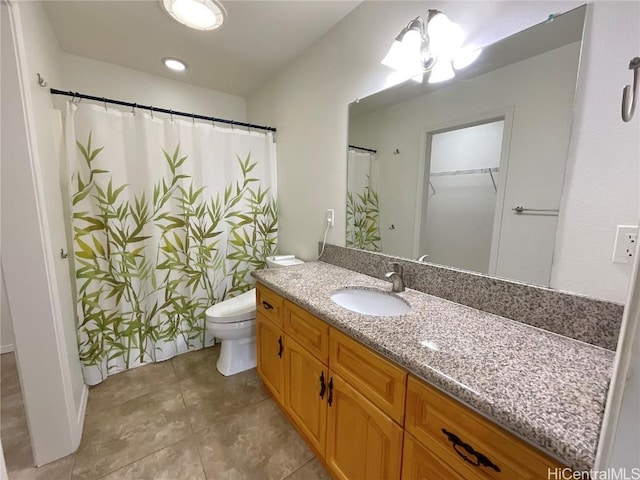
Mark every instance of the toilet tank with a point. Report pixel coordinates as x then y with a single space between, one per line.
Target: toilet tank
277 261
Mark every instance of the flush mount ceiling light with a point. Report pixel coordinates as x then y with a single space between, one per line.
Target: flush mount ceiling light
198 14
174 64
429 46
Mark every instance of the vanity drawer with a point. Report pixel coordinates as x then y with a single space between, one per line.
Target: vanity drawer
309 331
450 431
379 380
270 305
418 463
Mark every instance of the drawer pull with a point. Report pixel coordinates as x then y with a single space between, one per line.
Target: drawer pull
266 305
280 348
480 461
323 386
330 397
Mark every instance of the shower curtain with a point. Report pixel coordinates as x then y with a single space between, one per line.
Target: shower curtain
362 203
169 217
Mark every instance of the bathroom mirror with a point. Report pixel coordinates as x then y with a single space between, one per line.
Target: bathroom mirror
470 171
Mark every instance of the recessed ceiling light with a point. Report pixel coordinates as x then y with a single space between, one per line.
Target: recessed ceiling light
174 64
198 14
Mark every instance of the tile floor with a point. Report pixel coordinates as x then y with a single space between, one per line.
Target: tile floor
175 420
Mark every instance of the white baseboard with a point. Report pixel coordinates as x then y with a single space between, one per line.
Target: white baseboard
7 348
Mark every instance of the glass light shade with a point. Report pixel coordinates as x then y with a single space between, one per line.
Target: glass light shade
404 56
198 14
442 71
465 57
446 36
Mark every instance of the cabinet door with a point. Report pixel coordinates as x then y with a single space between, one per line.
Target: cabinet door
362 442
305 397
418 463
270 343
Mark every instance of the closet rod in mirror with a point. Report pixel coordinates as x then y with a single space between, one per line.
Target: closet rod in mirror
193 116
370 150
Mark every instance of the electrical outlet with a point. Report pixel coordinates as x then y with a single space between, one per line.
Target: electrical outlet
331 216
625 245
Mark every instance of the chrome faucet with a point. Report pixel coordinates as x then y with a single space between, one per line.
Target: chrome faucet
396 276
422 258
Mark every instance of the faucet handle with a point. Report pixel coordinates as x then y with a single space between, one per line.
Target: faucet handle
396 267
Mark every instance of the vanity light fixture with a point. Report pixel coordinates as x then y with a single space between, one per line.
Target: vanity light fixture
197 14
430 46
174 64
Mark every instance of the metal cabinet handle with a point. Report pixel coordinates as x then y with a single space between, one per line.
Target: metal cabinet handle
480 460
323 386
280 346
266 305
330 397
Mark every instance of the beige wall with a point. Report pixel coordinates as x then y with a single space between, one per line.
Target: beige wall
85 75
601 186
308 101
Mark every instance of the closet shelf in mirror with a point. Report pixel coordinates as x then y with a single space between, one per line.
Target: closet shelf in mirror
490 171
465 172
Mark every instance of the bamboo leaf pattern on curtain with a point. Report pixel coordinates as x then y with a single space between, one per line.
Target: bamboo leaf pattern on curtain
363 231
149 263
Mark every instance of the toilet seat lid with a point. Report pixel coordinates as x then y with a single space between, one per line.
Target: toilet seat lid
236 309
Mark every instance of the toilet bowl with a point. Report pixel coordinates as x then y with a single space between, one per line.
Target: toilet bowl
233 322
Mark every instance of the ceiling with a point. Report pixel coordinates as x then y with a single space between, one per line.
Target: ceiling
257 39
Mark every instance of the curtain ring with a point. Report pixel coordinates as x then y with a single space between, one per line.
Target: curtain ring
133 108
193 118
151 110
104 101
171 115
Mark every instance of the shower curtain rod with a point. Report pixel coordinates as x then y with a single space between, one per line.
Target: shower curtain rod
370 150
152 109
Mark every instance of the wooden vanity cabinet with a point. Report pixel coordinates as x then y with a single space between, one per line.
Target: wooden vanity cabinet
270 356
343 419
270 305
366 418
418 463
468 443
363 443
379 380
306 392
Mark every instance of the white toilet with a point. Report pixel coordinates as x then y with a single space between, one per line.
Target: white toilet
234 323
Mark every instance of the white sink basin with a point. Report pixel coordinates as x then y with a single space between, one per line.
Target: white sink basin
370 302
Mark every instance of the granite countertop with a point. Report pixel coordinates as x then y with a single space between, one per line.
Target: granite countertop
546 388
